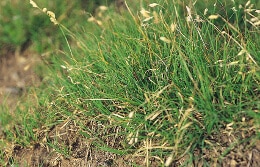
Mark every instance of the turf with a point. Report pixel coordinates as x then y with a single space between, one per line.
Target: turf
156 82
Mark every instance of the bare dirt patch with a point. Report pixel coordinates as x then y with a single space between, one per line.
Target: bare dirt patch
16 75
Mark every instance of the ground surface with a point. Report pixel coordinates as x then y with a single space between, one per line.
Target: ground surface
231 147
16 75
83 153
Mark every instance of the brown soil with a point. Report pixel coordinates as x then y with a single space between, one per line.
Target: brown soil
16 76
229 148
232 147
82 152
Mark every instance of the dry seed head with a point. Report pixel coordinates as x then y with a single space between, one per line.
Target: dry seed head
147 19
62 66
229 126
54 21
153 5
213 17
103 8
130 138
156 17
248 2
131 141
164 39
205 11
33 4
131 114
173 27
51 14
257 23
188 10
189 17
44 10
91 19
52 17
145 13
99 22
100 14
255 19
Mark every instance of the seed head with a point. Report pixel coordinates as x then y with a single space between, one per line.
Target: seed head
33 4
213 17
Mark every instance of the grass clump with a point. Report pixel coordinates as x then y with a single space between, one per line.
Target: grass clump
157 83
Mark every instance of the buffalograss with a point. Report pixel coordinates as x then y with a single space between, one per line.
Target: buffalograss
155 82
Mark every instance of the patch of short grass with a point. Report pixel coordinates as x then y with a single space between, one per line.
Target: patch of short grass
155 82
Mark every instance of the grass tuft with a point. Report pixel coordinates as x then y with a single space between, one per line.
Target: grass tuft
155 82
